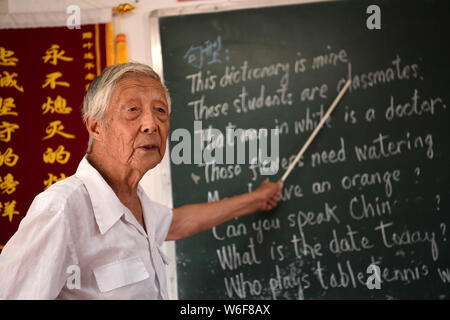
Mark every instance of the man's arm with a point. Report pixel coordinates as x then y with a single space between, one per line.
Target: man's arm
193 218
34 262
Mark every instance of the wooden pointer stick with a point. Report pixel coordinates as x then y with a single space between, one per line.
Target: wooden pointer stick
316 130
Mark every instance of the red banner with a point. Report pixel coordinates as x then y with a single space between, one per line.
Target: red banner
44 74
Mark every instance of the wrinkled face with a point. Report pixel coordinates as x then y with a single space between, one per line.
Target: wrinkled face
137 123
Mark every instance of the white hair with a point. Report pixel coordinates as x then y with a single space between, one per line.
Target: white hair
98 96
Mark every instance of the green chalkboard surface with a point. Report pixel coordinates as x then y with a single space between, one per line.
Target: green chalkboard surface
373 188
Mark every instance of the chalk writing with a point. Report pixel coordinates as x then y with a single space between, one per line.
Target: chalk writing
359 197
207 53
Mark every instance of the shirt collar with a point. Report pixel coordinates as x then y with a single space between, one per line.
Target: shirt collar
106 205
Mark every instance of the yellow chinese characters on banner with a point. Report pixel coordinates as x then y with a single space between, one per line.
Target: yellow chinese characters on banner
42 135
53 56
59 155
91 55
8 158
59 105
8 184
7 58
7 107
6 129
8 81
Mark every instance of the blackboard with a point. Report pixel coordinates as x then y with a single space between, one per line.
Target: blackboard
374 186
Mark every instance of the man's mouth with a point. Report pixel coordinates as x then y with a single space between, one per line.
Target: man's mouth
149 147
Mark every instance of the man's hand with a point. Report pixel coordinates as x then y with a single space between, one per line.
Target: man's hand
268 193
193 218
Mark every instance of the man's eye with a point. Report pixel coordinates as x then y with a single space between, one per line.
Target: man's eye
161 110
132 109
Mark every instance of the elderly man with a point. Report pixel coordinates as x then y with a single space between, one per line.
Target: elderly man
99 222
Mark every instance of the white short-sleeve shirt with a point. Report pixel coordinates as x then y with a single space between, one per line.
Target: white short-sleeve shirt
79 230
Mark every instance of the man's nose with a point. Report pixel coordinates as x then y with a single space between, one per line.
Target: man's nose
149 124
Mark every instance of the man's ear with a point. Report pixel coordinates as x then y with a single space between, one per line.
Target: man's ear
94 128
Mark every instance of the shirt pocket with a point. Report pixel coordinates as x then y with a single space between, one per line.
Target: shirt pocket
120 273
